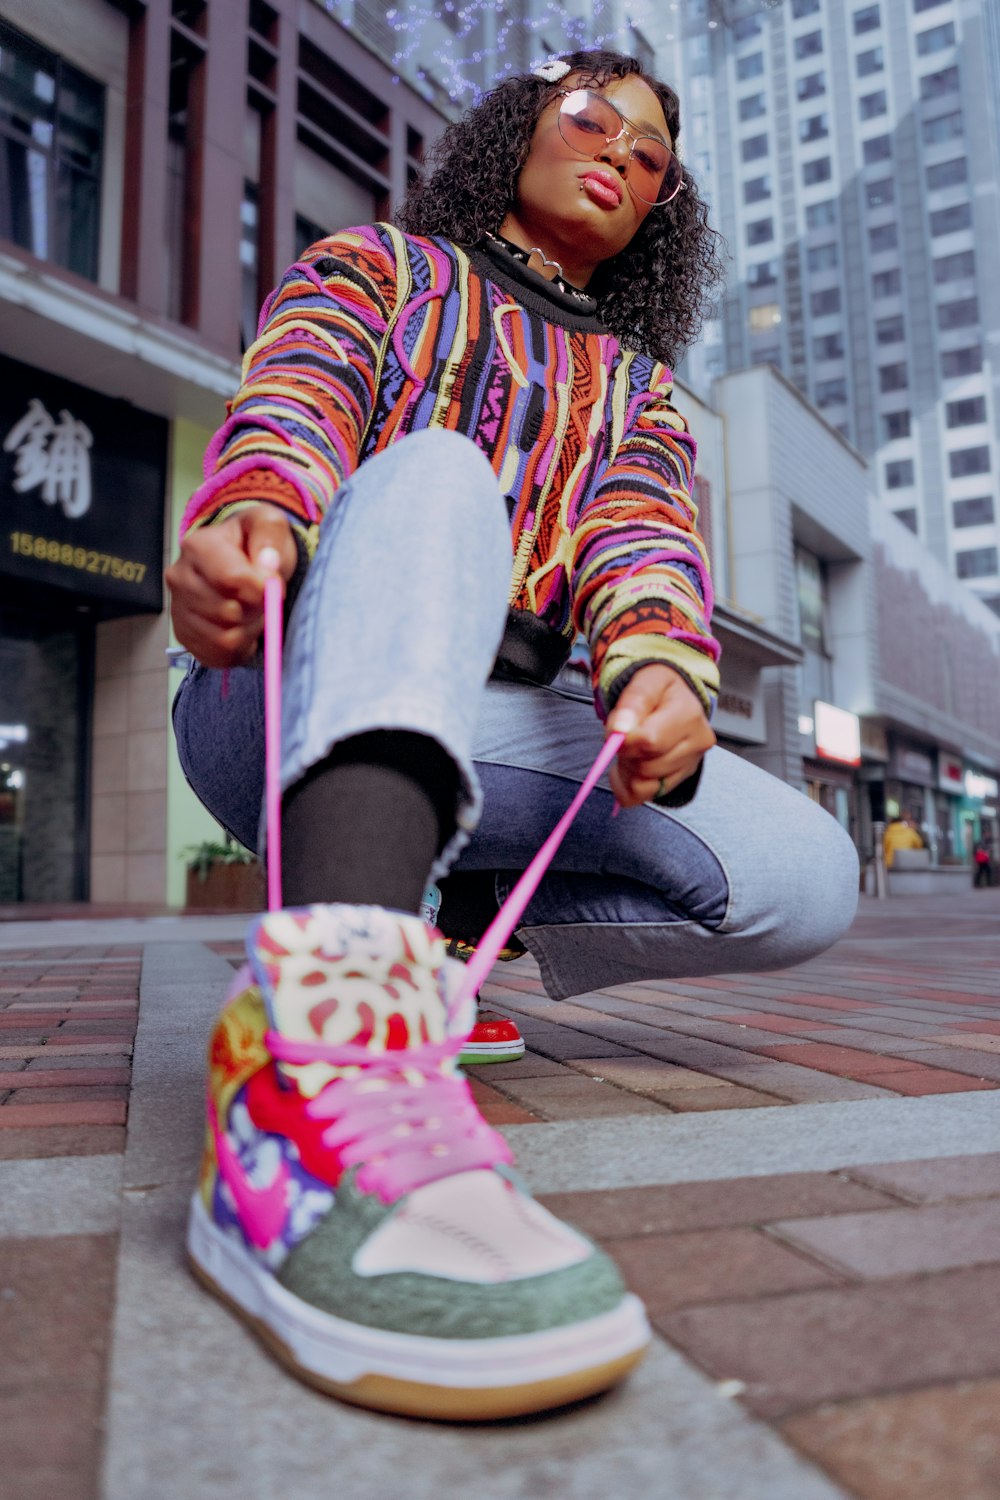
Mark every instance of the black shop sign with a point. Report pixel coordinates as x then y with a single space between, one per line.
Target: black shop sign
82 480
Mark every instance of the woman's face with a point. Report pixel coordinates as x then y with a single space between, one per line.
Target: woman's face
581 210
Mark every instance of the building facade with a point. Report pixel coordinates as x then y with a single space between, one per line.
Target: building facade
151 192
850 151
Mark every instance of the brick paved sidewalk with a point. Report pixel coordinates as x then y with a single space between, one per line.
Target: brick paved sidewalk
837 1280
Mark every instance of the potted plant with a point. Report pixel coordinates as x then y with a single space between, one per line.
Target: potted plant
223 876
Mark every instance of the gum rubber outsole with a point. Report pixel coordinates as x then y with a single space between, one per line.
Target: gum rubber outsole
409 1398
415 1398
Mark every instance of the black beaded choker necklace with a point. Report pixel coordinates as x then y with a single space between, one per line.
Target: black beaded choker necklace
582 301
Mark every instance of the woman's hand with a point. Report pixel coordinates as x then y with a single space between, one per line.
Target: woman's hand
666 735
217 583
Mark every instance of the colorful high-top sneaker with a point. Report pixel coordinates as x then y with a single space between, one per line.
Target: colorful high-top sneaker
493 1038
355 1209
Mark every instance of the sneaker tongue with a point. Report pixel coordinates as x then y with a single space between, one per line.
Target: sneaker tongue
348 976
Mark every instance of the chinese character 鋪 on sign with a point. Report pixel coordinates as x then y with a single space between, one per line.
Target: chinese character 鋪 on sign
55 455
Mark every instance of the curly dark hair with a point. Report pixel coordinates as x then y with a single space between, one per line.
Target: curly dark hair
653 294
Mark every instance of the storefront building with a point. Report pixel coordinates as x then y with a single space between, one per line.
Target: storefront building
163 162
82 487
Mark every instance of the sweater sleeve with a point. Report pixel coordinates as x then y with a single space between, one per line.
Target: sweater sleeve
296 424
639 575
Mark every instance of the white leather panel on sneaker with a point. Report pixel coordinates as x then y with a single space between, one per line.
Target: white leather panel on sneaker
476 1227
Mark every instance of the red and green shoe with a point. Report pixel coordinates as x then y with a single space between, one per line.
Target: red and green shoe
493 1039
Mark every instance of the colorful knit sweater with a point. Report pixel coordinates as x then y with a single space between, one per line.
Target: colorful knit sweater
375 334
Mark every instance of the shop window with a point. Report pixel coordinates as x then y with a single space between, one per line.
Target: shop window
44 681
51 140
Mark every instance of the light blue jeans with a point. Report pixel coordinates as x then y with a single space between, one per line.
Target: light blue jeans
397 627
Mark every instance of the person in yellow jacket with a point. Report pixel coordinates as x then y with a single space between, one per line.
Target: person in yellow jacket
901 833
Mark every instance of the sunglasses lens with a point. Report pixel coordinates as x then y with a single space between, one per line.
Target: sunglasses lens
587 122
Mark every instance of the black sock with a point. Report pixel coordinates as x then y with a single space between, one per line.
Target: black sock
469 904
365 824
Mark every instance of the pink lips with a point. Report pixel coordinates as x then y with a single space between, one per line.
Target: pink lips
603 187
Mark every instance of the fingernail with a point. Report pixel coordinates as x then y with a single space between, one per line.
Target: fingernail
269 559
623 722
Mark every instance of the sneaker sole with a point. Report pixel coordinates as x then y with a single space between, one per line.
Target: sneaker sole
490 1052
453 1380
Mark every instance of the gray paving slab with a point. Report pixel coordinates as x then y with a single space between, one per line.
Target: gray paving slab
197 1409
755 1143
92 932
181 991
60 1195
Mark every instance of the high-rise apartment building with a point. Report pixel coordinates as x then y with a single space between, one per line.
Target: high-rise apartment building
850 151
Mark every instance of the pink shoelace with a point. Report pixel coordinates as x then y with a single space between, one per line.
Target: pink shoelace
402 1137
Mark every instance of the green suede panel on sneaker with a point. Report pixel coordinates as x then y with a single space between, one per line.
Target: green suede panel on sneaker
319 1271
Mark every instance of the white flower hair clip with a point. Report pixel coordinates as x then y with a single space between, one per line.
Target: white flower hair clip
552 70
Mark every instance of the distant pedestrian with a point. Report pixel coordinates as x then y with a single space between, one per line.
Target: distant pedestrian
983 863
901 833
